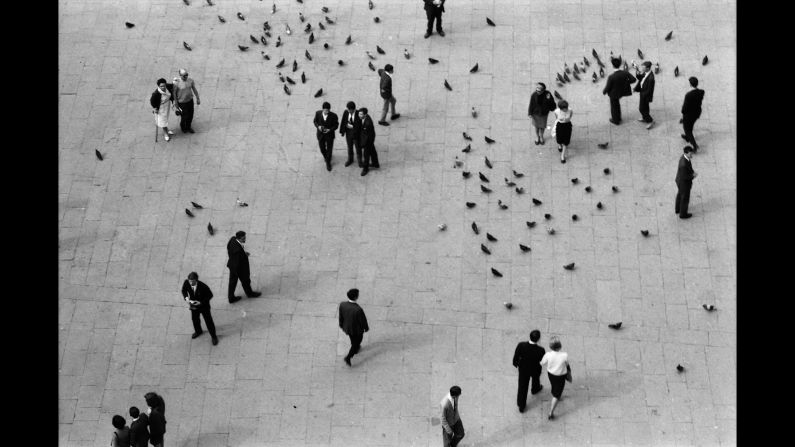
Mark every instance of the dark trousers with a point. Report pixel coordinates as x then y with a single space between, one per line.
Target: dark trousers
682 198
524 381
688 121
434 14
388 102
458 435
353 142
370 157
326 146
615 109
208 320
356 344
186 119
643 107
244 280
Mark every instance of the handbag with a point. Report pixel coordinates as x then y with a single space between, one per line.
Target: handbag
568 373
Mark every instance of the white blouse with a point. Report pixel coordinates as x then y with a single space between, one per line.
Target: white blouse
555 362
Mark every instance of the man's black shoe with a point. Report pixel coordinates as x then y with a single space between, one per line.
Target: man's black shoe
541 387
441 33
685 216
348 163
235 299
348 361
254 294
427 35
196 334
364 172
383 123
521 409
215 341
328 166
617 123
395 116
191 131
376 166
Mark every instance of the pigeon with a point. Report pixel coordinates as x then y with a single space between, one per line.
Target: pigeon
301 17
433 61
458 163
442 227
348 40
574 217
370 55
566 69
253 39
509 183
483 178
606 171
130 25
484 189
474 113
240 202
600 63
340 63
197 206
187 211
566 77
268 33
287 90
709 308
640 53
467 149
569 266
266 26
614 325
489 22
281 77
518 174
287 29
530 224
496 272
307 55
471 204
601 72
587 189
576 77
380 50
676 71
325 45
311 38
447 85
241 16
280 64
295 65
519 190
594 77
657 68
331 22
466 174
576 70
550 230
324 9
98 154
273 10
320 25
319 93
557 95
507 305
680 368
370 64
289 80
406 53
474 69
524 248
187 2
614 188
645 233
575 180
187 47
705 60
536 202
593 52
559 78
502 205
669 35
377 20
475 228
242 47
488 163
210 229
602 145
262 39
585 61
489 140
547 216
221 19
303 78
599 205
210 3
467 137
485 249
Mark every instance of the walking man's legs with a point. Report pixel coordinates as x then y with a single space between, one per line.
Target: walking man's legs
232 284
643 107
615 110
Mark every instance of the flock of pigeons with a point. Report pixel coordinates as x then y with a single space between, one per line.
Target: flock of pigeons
576 70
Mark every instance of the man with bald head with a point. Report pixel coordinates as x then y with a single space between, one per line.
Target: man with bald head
185 89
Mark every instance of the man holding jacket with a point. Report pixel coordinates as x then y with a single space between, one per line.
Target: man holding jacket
618 85
198 296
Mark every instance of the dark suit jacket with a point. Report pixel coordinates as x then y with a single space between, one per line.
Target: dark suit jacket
203 294
157 426
154 100
139 433
357 124
430 6
367 132
386 84
692 104
684 174
619 84
647 90
352 319
238 259
330 123
541 104
527 358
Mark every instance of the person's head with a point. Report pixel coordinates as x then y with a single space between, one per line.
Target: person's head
152 399
193 278
455 391
161 83
134 412
646 66
687 150
326 107
693 81
362 112
118 422
535 335
183 74
241 236
563 105
616 61
389 68
353 294
351 106
540 87
554 343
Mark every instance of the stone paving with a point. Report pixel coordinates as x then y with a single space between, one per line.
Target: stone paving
436 313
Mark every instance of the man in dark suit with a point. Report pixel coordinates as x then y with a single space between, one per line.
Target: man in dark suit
198 296
434 10
326 123
618 85
157 422
238 267
367 142
353 322
527 357
691 111
684 181
386 93
350 127
645 87
139 431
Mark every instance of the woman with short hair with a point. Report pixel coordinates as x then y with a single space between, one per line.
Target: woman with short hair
557 364
563 128
121 436
541 103
161 101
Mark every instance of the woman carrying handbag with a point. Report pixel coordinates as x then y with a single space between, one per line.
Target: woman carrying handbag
161 101
558 370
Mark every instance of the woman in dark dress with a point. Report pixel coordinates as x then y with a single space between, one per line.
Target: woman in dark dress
541 103
563 128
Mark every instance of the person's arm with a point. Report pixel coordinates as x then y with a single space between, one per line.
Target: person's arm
364 320
445 424
195 92
516 356
344 125
608 85
340 312
334 124
316 121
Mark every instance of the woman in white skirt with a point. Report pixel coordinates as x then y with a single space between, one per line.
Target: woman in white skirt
161 102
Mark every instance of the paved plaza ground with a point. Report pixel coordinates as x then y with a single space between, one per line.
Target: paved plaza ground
436 313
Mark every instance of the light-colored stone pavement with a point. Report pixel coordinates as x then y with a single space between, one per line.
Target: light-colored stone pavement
277 376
